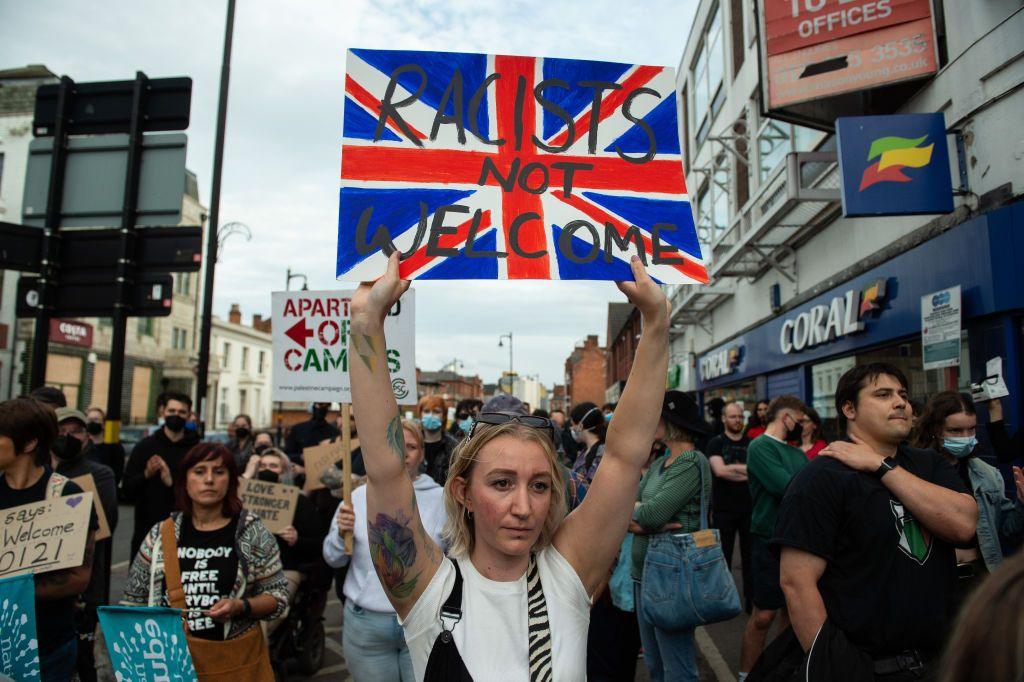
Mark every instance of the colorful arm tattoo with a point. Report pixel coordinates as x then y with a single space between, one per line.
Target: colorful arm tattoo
393 551
365 349
396 439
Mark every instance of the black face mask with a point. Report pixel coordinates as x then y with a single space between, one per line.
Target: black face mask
795 434
268 476
261 448
174 423
94 428
320 413
67 447
242 433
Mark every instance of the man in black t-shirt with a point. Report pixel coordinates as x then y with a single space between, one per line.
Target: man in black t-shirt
27 431
867 536
730 494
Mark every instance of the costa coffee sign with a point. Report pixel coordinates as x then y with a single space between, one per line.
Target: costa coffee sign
72 333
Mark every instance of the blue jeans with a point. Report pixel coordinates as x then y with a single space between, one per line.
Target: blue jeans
59 664
669 656
374 646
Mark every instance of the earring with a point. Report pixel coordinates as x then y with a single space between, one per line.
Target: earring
469 514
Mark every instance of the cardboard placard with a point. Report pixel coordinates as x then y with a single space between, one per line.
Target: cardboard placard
993 385
44 536
478 166
274 503
87 484
317 460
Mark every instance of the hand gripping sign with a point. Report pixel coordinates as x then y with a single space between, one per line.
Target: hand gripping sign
496 167
311 346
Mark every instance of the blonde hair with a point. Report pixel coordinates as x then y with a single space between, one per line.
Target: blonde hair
459 528
416 429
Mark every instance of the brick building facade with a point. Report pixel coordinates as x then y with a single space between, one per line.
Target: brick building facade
585 371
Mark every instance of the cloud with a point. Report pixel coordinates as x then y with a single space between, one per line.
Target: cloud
282 153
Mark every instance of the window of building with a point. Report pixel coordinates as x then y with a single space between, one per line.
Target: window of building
243 401
225 357
261 364
708 69
179 338
245 359
777 139
1 169
223 407
182 283
736 24
144 326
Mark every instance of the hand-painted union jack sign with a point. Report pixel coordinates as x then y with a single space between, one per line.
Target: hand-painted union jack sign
496 167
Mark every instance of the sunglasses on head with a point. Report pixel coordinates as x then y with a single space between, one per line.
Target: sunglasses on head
498 418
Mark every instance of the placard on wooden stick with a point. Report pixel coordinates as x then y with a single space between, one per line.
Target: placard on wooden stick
45 536
316 460
88 484
274 503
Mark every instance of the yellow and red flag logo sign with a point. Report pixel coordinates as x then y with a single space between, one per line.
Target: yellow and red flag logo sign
894 154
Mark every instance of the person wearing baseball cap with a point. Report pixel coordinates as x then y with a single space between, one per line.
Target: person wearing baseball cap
68 456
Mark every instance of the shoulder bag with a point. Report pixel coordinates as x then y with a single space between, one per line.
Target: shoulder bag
685 581
233 660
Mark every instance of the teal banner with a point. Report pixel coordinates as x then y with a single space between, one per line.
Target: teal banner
19 649
146 644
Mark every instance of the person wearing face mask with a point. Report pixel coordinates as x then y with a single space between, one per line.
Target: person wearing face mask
588 428
310 433
948 426
148 480
241 443
465 414
109 454
771 463
68 458
438 444
299 543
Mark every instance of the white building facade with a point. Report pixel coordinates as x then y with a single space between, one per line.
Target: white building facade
780 252
242 356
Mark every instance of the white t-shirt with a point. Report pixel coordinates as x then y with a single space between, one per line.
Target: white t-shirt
492 635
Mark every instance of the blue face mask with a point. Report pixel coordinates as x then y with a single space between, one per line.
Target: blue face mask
431 422
608 418
959 447
466 425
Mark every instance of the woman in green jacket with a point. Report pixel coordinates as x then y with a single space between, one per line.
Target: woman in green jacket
669 498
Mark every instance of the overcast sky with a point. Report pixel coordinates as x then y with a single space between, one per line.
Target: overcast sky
284 128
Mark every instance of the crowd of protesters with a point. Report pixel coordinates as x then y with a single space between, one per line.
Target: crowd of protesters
486 541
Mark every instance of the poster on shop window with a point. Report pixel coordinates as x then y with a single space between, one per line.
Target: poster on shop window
311 349
940 328
478 166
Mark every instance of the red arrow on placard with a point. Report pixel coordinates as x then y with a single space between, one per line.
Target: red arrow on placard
299 333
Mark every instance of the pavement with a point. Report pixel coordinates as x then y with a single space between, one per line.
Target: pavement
718 645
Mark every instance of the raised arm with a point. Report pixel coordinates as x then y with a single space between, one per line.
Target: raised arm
590 536
404 556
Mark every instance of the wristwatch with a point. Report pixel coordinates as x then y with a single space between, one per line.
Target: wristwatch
887 465
246 608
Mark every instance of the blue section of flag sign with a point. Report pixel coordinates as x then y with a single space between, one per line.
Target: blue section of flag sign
361 125
575 99
146 643
662 120
646 213
19 648
616 270
461 267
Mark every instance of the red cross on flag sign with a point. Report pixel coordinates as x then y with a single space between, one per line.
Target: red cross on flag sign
311 346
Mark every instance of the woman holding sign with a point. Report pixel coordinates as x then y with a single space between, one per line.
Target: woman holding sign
216 561
513 602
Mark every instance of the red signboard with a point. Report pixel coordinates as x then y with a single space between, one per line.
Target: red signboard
796 24
71 332
857 62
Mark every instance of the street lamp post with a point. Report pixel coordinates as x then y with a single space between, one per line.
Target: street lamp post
511 373
289 276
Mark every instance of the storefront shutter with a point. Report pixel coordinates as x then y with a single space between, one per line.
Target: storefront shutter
789 382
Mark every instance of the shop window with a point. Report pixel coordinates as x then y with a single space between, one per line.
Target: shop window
142 379
100 383
824 377
65 372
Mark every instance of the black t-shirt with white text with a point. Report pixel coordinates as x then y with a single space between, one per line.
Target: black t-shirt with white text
889 582
209 567
54 617
730 496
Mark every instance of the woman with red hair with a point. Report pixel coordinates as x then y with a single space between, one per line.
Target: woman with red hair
227 564
437 442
